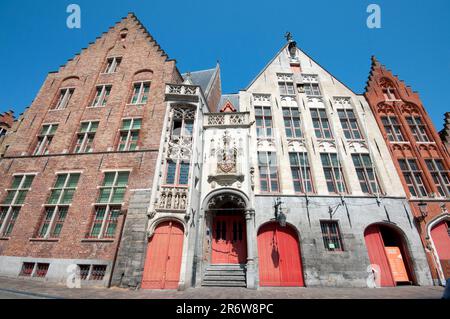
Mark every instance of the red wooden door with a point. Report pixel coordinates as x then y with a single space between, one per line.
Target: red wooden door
441 239
229 245
377 255
163 262
279 257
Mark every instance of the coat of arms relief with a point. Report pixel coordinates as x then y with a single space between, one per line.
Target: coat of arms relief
227 156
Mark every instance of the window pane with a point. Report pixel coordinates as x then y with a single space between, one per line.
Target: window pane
109 178
60 180
73 180
104 195
54 196
119 194
122 178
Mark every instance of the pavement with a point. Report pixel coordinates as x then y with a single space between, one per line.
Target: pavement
31 289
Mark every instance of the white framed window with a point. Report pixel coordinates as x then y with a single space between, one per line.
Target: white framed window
333 173
349 124
112 65
392 128
64 97
312 89
85 137
140 93
418 128
292 123
58 204
102 93
413 177
441 176
45 138
129 134
108 208
263 117
15 199
366 173
268 172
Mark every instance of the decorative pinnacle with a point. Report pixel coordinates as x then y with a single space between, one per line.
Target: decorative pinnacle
289 37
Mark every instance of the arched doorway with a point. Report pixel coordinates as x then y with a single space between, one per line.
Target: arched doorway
279 257
228 226
388 250
440 235
163 261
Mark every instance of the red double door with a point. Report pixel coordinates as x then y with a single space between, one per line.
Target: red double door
163 262
391 260
229 244
279 257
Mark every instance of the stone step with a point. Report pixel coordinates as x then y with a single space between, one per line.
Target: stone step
226 267
225 273
224 278
224 284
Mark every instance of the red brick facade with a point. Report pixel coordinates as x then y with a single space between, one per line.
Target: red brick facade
412 137
141 60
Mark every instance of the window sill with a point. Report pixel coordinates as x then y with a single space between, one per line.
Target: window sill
45 240
96 107
96 240
137 104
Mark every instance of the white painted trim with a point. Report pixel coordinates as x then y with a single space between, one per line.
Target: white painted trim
430 225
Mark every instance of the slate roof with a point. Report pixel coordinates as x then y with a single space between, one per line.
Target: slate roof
201 78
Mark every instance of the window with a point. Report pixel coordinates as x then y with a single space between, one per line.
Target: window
321 124
312 89
84 271
101 95
63 98
182 127
413 177
417 128
108 209
140 93
263 116
301 172
349 124
292 122
41 270
331 235
365 173
440 176
177 173
92 272
85 137
268 172
45 138
15 198
390 94
392 128
129 134
112 65
333 173
286 88
2 132
27 269
98 272
58 205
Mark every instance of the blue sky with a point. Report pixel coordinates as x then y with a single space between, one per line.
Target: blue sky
414 40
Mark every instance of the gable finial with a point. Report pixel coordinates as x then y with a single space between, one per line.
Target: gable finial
288 36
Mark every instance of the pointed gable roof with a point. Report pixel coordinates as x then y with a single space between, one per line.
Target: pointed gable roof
131 17
229 103
307 56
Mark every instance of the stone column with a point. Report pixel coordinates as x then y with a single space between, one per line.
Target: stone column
251 267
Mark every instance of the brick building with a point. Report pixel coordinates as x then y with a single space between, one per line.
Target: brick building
445 133
6 125
420 158
86 146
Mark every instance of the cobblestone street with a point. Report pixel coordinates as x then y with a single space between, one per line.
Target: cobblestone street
16 288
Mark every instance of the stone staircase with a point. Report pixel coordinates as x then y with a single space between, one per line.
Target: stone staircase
225 276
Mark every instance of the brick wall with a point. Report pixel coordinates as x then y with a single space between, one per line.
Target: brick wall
142 60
